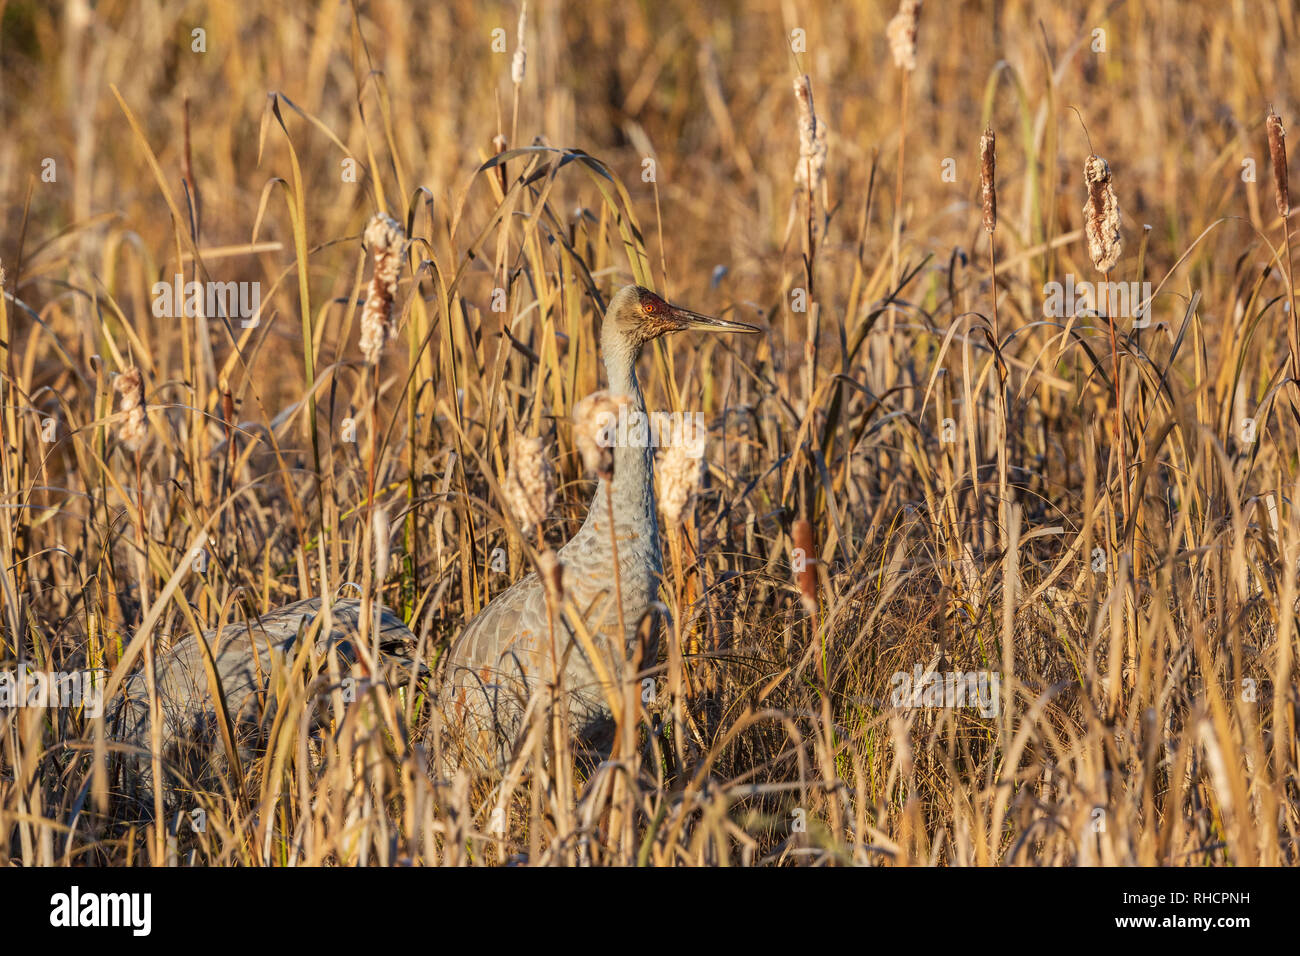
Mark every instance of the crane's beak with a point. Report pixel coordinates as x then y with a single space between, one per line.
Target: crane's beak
684 319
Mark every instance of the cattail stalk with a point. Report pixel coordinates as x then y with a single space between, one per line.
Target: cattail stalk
1282 196
1102 227
989 201
228 419
901 33
1105 243
374 572
387 244
518 67
134 434
810 174
551 573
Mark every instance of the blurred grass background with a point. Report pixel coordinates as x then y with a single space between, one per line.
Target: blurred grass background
1149 706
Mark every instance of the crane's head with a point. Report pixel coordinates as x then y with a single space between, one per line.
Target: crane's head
636 316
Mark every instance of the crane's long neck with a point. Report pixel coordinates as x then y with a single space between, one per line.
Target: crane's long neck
633 459
635 517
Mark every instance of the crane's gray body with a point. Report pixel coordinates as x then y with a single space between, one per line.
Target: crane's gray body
504 656
244 654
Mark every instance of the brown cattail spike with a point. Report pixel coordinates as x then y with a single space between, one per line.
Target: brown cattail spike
805 564
1277 153
1101 215
988 188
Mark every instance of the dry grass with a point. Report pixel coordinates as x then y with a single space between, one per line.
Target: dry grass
1146 656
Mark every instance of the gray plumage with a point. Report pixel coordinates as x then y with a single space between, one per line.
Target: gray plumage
501 659
504 655
244 655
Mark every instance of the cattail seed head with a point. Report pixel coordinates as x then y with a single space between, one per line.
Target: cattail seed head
1101 215
809 172
806 566
988 187
679 478
134 431
380 534
1277 153
387 244
551 571
529 488
902 34
520 60
594 420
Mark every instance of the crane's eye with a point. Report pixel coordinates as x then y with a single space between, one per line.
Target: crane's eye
651 304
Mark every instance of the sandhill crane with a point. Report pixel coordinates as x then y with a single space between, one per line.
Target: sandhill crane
497 663
244 655
505 653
